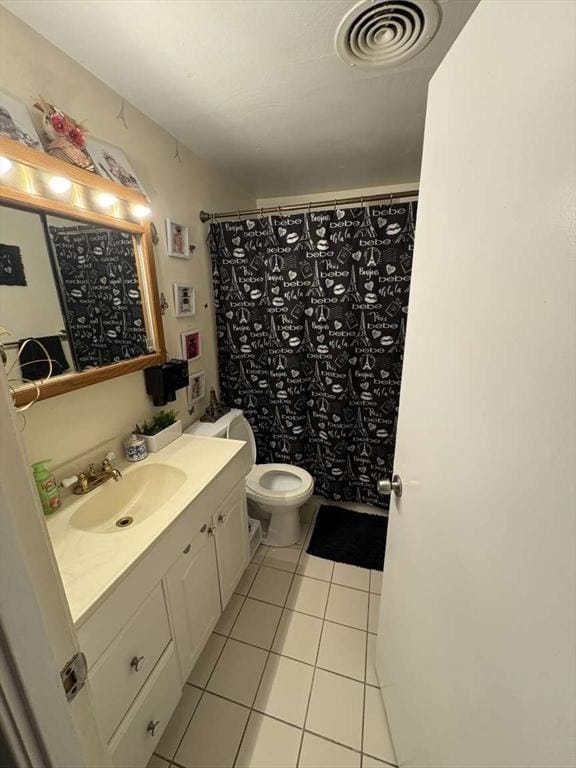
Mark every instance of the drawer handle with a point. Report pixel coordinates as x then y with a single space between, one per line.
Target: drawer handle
203 529
222 518
135 663
187 549
152 725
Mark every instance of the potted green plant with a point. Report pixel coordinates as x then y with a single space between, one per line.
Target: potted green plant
159 431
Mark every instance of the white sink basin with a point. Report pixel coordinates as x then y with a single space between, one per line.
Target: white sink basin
119 506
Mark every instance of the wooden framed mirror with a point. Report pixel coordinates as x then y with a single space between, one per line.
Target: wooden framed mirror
79 299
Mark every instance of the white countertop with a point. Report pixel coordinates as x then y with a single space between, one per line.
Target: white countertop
90 563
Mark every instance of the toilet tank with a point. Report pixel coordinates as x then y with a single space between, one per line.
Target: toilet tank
213 429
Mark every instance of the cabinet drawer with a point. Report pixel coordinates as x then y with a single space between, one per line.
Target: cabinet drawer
141 729
123 668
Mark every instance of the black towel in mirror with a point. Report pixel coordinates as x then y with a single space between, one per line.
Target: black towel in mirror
33 361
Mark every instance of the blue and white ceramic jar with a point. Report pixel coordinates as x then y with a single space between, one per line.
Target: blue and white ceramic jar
135 448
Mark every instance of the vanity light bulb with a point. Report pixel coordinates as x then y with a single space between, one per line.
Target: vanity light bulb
5 165
105 200
141 211
59 184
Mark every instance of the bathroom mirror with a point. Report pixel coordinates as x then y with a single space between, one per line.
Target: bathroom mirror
72 298
78 300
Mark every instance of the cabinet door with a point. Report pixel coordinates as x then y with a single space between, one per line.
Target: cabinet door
194 597
232 543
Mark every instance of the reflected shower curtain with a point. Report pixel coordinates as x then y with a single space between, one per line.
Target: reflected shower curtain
311 318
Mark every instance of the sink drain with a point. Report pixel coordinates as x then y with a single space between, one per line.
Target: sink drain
123 522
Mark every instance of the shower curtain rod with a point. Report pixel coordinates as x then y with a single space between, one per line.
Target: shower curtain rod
337 203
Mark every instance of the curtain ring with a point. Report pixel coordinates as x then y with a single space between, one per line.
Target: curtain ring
309 207
335 204
261 212
391 199
238 214
362 201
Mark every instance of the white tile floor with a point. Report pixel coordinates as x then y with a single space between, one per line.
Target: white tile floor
287 679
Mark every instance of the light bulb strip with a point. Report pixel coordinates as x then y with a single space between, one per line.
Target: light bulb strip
59 184
99 191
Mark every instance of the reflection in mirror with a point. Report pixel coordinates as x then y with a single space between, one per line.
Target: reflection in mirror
70 296
30 307
97 272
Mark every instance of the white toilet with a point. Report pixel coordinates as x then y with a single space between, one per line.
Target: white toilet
278 490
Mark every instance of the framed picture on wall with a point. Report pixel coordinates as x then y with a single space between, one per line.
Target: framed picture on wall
197 387
177 241
184 300
112 163
191 344
16 123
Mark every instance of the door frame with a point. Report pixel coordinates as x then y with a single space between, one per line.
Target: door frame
37 634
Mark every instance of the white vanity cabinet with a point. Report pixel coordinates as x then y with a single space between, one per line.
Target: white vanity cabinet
204 576
232 542
194 596
144 637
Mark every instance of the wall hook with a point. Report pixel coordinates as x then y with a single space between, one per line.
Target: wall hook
122 114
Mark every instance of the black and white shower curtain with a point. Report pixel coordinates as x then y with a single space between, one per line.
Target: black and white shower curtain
311 317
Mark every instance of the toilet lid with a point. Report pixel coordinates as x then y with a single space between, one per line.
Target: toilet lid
279 481
239 429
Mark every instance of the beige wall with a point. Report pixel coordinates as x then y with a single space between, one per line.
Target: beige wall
70 425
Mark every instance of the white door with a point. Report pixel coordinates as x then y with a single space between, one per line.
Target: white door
41 728
476 647
232 544
194 597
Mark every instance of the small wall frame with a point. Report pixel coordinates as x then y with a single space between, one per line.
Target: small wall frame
197 387
191 342
177 240
184 300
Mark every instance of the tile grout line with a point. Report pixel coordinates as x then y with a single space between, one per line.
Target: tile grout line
269 653
310 525
314 672
294 658
286 722
277 605
317 578
365 673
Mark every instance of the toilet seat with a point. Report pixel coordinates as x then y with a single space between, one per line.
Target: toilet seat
276 484
279 484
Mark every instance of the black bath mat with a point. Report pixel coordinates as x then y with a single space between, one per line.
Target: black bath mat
349 537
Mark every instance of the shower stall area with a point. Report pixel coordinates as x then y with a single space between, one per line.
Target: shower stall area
311 311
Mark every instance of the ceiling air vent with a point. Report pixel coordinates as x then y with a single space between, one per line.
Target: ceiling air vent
385 33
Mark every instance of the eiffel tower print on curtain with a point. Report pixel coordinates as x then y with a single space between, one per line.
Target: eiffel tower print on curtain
311 317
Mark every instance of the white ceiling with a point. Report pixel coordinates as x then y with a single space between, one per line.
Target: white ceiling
255 86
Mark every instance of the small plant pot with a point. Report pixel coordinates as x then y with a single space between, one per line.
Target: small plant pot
160 440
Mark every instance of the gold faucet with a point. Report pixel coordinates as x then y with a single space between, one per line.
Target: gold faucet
84 482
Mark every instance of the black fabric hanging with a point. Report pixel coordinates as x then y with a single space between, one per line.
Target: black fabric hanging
311 316
101 294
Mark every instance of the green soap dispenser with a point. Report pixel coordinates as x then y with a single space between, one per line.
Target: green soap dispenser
47 487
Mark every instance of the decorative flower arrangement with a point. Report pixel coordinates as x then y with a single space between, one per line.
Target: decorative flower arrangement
67 138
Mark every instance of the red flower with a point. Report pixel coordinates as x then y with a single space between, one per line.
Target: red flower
77 137
58 122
